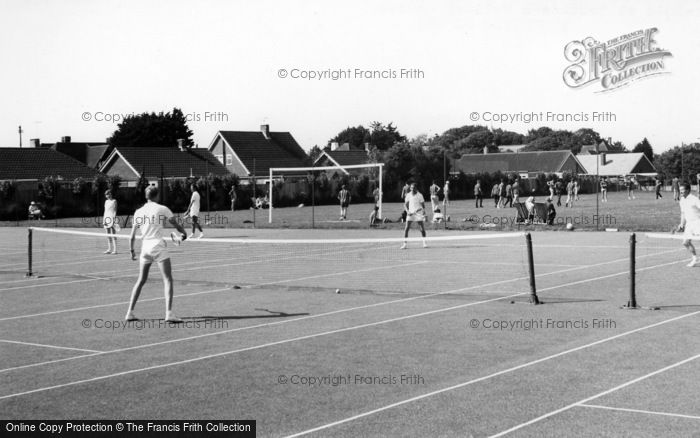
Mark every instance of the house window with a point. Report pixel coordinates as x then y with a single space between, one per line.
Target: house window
229 160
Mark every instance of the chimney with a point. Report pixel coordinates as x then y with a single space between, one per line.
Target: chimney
65 139
334 145
486 150
181 144
265 129
35 142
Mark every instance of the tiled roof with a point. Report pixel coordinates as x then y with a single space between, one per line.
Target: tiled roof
618 164
280 150
77 150
347 158
175 163
38 163
539 161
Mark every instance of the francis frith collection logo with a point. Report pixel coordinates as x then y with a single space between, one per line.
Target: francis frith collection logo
614 63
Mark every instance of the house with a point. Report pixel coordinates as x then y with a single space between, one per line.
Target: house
35 164
89 153
604 164
342 155
252 153
159 162
526 164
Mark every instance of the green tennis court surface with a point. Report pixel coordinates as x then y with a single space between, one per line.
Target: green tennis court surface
421 342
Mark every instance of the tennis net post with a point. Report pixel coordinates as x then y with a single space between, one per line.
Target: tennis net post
531 269
29 252
632 303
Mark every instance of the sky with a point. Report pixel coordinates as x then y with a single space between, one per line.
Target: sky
71 68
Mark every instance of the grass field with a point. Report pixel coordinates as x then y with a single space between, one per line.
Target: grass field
421 342
642 214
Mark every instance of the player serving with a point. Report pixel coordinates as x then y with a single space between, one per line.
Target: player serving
690 220
414 205
151 218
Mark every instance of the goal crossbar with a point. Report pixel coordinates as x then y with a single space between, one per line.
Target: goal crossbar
313 169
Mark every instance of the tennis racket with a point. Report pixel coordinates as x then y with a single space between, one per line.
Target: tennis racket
417 215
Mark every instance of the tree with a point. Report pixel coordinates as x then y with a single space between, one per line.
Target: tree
588 136
384 137
355 136
314 153
152 130
679 162
644 147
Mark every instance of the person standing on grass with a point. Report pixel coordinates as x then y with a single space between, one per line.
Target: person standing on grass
551 212
151 218
109 220
434 199
233 196
509 195
604 189
629 182
559 190
690 220
675 188
657 188
516 190
446 193
414 205
495 194
344 198
193 211
576 187
570 194
478 194
550 186
501 194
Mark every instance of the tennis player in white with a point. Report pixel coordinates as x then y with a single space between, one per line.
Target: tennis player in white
109 220
193 211
690 220
151 218
414 204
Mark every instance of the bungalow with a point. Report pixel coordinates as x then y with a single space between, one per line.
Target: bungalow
32 164
525 164
633 163
341 156
252 153
158 162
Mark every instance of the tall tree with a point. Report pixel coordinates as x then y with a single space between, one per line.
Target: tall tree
384 137
644 147
356 136
152 130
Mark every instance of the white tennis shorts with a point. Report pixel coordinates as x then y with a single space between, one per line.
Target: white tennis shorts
154 250
416 217
692 230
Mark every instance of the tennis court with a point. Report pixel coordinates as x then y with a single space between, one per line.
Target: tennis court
437 341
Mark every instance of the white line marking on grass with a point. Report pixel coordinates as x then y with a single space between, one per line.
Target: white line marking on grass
600 394
48 346
639 411
496 374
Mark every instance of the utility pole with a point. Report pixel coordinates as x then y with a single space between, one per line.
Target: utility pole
20 135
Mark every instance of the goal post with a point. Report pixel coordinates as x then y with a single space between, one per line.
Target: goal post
380 166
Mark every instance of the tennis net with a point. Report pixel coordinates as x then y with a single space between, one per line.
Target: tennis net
457 264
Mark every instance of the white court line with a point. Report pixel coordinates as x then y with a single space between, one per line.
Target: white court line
639 411
600 394
348 329
48 346
177 268
255 347
496 374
